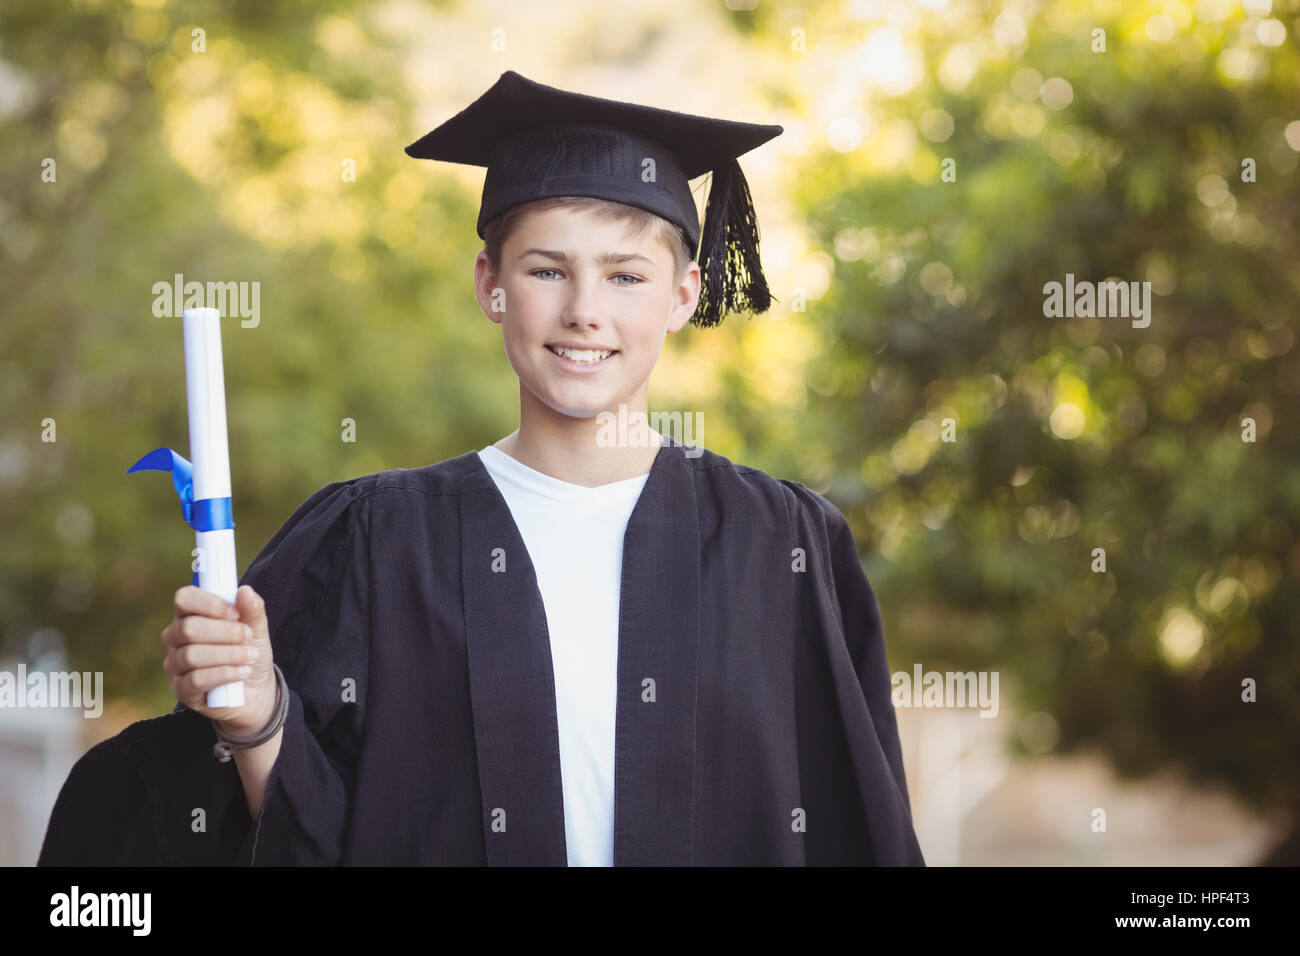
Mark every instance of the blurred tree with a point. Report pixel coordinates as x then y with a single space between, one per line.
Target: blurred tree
224 155
1170 158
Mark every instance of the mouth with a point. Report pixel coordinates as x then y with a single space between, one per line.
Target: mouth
582 360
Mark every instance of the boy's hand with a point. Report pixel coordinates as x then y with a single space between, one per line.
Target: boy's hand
211 642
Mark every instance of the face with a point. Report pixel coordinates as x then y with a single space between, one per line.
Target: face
553 290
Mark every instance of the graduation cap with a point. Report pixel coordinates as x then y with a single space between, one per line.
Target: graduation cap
538 141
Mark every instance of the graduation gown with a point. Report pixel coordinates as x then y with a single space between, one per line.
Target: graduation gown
753 722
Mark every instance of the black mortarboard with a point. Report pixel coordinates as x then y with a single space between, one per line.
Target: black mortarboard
538 141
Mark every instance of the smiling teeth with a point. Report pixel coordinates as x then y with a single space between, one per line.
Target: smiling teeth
584 356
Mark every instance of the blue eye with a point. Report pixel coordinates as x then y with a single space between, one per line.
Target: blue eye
636 280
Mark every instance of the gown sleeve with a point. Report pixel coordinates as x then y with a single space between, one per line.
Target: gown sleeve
848 600
154 794
864 635
314 575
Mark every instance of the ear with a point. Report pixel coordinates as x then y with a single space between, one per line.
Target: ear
686 296
485 285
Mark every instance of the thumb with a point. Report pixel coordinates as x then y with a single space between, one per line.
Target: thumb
252 611
261 696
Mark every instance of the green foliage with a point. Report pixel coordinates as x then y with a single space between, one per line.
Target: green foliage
1139 177
1071 434
223 165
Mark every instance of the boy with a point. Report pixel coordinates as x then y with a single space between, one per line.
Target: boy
552 650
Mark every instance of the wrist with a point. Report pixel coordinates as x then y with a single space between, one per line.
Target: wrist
243 728
233 737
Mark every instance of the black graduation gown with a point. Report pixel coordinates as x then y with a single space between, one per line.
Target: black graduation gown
753 722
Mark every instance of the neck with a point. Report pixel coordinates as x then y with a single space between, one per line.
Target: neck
570 449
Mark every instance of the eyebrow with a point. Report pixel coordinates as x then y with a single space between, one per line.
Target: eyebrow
605 259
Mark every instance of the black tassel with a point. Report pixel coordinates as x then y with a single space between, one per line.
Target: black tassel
731 277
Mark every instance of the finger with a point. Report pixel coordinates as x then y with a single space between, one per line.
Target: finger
202 680
205 630
182 660
193 600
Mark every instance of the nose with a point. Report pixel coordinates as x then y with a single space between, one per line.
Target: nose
582 310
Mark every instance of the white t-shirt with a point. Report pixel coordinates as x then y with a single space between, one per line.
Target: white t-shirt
574 536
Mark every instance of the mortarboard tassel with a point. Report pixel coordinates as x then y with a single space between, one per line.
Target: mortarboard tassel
731 274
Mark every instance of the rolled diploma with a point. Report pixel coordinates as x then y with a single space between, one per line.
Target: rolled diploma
205 389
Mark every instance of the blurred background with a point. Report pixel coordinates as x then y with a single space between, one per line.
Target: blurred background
941 163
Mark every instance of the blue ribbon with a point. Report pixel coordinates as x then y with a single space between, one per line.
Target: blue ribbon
205 514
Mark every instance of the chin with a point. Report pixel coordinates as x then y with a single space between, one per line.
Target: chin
573 405
586 410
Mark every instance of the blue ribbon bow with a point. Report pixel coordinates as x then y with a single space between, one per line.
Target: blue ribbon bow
205 514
